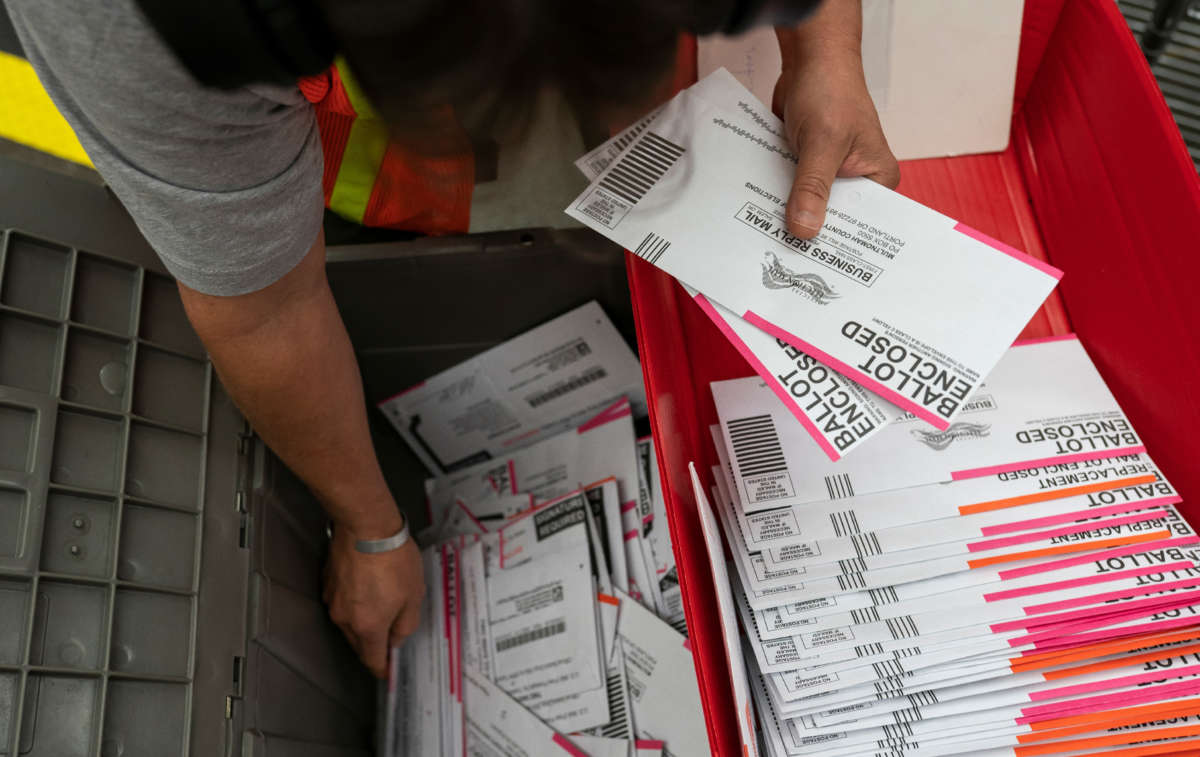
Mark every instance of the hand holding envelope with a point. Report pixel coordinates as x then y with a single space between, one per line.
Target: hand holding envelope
532 548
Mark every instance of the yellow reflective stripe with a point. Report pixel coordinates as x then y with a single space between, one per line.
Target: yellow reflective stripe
365 147
29 116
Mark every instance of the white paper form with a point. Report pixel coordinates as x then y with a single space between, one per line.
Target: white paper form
1001 706
822 685
415 682
989 711
901 738
728 615
543 382
499 726
597 159
485 514
1034 597
600 746
619 725
978 531
1130 740
602 447
1080 534
1028 420
548 649
642 585
958 569
801 592
1066 599
451 648
1066 681
789 654
1007 493
604 506
700 194
662 682
648 748
656 534
476 630
838 413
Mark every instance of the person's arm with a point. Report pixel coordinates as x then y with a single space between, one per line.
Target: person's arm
226 186
830 118
284 356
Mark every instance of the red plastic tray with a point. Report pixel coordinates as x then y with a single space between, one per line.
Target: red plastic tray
1096 180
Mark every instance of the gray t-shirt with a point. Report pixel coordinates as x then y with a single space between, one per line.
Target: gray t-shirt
226 186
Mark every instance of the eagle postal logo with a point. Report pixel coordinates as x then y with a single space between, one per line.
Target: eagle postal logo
940 440
807 285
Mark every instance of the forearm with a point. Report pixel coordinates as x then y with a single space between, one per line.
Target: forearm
284 356
834 30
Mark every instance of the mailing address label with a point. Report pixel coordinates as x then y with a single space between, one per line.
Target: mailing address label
837 257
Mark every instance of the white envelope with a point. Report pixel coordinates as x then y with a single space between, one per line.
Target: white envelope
547 646
1025 686
700 194
415 681
604 446
605 511
477 518
983 525
601 746
1027 421
728 616
662 681
642 585
838 413
1097 482
499 726
449 602
543 382
656 534
597 159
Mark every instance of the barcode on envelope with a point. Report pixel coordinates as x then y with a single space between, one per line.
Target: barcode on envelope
553 628
756 447
618 718
844 523
641 167
589 376
652 248
838 485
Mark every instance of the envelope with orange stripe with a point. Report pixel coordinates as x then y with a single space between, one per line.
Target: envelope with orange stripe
1019 420
793 532
814 586
1154 677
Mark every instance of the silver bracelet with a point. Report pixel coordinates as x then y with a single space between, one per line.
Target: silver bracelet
375 546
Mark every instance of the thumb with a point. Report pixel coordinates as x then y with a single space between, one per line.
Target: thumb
820 157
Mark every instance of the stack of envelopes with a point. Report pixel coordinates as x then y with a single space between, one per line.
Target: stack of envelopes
943 542
552 621
1020 583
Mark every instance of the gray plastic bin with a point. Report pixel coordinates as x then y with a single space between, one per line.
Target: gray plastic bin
159 567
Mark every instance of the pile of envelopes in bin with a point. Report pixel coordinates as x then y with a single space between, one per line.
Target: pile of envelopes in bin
552 621
944 541
983 591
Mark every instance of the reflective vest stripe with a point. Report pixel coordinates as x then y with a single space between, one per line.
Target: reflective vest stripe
362 155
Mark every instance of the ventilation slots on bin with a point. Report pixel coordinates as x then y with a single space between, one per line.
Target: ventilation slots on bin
104 406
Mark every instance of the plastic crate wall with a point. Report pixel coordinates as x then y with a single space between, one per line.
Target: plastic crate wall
104 407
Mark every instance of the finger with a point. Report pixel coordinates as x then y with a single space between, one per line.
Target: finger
820 156
406 623
373 650
887 171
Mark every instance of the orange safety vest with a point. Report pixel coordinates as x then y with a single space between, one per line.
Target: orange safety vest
377 181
